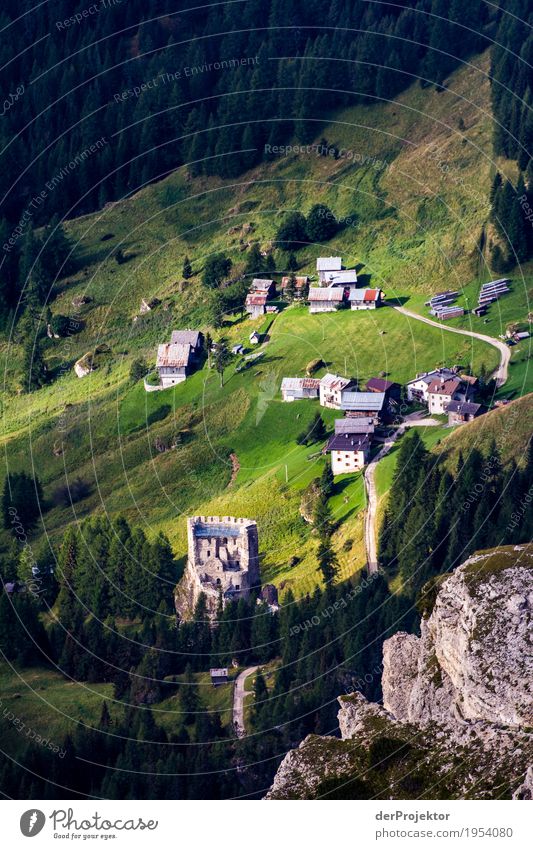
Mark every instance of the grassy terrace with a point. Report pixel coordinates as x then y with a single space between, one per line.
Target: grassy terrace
43 702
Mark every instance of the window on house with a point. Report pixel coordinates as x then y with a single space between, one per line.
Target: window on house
209 553
218 582
237 586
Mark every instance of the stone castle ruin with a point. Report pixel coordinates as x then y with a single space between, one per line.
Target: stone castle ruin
222 563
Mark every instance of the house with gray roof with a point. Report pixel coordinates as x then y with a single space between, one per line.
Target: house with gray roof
298 388
328 264
363 404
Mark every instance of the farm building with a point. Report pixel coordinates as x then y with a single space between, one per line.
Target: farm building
417 389
255 338
349 452
256 304
363 404
188 337
263 287
297 388
328 264
172 363
325 300
379 384
365 299
364 424
331 389
341 278
443 390
219 676
301 284
460 412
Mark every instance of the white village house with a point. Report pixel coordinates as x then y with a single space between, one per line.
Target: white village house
349 448
297 388
331 389
172 364
365 299
176 358
256 304
443 390
417 389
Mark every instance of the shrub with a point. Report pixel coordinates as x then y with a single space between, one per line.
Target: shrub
138 370
292 234
71 493
384 751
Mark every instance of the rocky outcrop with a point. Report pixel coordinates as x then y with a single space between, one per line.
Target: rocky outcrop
474 658
457 701
85 365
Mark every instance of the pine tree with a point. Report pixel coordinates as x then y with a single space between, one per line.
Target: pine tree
290 289
260 697
187 268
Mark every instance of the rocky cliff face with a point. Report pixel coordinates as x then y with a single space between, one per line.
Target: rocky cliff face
474 658
457 701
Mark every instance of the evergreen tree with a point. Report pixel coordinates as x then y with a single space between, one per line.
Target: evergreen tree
321 223
221 359
187 268
292 234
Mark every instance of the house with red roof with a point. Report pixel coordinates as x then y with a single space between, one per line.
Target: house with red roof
365 299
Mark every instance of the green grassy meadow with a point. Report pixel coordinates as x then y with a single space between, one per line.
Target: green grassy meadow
413 230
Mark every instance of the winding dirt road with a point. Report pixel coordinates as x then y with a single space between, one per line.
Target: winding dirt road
416 420
372 503
501 373
239 694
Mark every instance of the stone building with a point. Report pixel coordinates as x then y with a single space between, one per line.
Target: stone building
222 563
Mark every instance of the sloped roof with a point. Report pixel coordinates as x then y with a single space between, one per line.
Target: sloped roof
185 337
260 285
334 381
379 384
362 295
300 383
348 442
257 299
318 294
428 376
362 401
446 386
469 378
329 263
360 425
169 355
341 278
464 408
